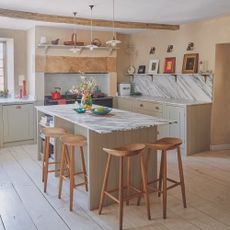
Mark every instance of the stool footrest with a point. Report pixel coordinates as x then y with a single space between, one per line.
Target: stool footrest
51 171
137 193
53 163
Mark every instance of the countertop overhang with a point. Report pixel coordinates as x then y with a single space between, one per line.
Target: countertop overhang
118 121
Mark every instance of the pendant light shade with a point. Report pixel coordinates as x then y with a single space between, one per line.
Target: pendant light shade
114 41
91 46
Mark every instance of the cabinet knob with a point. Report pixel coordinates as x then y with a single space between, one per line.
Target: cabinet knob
157 107
18 107
141 105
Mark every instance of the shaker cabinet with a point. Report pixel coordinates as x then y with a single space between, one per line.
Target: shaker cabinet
190 123
18 122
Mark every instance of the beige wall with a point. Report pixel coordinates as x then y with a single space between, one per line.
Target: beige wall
204 34
20 48
221 110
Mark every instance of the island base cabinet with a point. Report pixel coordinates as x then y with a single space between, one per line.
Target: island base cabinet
18 123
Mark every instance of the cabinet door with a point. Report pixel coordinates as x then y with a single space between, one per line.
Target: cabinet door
17 122
178 114
124 104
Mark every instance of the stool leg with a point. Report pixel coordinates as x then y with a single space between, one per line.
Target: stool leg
43 162
72 184
180 167
164 184
84 168
128 178
121 193
146 166
105 182
46 163
160 175
62 170
145 188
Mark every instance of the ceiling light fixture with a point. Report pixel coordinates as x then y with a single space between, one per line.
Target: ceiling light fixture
91 46
75 49
114 41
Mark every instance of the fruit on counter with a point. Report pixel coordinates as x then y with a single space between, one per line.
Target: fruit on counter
100 109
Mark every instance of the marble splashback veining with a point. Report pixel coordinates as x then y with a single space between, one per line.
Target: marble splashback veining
189 87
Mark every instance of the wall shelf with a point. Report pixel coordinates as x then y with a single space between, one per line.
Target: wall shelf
46 48
175 75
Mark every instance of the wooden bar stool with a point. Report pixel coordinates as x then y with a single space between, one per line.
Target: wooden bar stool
68 162
122 153
165 144
50 132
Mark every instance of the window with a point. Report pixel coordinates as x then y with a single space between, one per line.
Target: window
2 65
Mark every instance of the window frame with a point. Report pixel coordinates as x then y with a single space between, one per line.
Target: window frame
4 64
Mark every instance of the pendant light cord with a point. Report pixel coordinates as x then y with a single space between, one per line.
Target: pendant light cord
113 21
91 34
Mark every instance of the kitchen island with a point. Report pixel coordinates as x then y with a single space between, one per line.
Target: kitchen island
112 130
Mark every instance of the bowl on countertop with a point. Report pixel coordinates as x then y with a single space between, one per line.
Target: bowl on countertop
80 110
101 110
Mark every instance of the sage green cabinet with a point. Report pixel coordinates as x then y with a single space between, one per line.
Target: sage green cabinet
18 122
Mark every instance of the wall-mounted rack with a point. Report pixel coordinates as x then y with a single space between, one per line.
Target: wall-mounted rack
79 49
175 75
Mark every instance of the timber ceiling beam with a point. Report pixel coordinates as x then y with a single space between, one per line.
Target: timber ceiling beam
83 21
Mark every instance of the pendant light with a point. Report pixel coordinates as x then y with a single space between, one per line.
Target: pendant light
114 41
75 49
91 46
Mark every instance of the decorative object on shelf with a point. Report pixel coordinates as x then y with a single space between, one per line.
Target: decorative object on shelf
114 41
97 42
131 69
4 93
80 110
24 93
170 49
152 50
190 63
190 46
170 65
21 78
86 88
43 40
141 69
153 66
55 42
91 46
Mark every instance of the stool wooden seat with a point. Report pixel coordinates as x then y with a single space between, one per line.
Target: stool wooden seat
49 132
165 144
122 153
68 162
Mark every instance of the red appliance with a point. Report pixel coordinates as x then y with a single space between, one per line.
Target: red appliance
56 94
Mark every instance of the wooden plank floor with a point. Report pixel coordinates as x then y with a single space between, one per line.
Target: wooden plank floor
24 206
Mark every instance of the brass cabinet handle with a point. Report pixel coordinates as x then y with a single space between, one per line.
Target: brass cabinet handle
157 107
18 107
141 105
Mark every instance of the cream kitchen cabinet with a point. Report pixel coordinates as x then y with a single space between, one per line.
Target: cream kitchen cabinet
18 123
191 122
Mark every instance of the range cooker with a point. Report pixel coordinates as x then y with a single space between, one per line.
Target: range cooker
71 99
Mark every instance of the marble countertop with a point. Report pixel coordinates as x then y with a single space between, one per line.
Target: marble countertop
12 100
118 121
183 102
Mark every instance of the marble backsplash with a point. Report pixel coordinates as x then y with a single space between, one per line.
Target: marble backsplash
66 81
191 87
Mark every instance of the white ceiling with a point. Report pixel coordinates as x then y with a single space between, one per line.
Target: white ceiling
155 11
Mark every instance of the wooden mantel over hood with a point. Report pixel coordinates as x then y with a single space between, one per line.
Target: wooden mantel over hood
66 64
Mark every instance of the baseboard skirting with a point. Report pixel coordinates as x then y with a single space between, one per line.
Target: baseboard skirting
220 147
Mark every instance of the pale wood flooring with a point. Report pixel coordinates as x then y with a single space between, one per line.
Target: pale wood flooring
24 206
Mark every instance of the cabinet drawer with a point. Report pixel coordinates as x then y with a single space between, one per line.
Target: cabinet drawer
150 106
124 104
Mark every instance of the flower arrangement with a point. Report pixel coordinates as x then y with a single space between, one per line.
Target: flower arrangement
86 86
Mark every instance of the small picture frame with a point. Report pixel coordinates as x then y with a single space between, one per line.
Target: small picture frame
190 63
170 65
153 66
141 69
